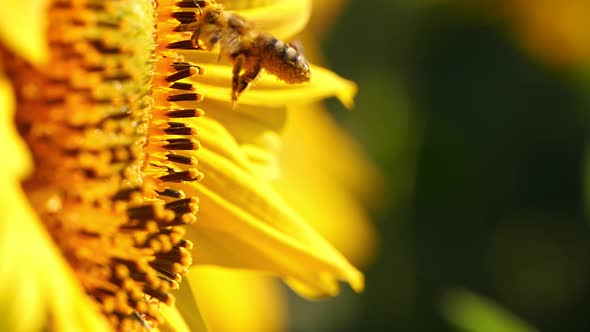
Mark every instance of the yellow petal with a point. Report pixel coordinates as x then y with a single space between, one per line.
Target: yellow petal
218 139
230 250
249 215
254 133
311 133
264 159
12 145
268 91
333 211
189 310
23 27
282 18
228 234
174 322
246 122
37 289
308 135
238 300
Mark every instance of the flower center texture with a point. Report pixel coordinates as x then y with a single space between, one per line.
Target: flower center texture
105 123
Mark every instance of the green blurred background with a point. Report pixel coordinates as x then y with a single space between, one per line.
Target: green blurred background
482 140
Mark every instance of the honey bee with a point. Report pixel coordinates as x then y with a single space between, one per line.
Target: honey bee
248 49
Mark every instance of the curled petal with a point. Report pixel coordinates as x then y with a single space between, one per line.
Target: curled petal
218 140
254 302
254 131
247 122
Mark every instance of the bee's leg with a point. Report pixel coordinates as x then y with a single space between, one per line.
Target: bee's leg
249 76
235 83
243 74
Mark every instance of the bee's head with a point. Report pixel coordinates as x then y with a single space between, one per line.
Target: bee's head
213 14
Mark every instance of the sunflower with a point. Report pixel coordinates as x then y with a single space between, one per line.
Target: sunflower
116 133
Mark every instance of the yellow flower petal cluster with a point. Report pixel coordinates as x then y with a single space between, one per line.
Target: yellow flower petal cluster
302 159
252 218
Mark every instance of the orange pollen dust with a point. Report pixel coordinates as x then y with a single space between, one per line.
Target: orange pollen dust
106 121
